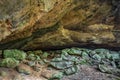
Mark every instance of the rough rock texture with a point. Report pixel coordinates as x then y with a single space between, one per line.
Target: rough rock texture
40 24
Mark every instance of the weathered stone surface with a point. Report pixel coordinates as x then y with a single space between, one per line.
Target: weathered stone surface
25 69
40 24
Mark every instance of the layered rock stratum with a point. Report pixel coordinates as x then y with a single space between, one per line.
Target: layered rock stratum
40 24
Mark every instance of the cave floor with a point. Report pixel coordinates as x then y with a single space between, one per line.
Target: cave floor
85 73
43 71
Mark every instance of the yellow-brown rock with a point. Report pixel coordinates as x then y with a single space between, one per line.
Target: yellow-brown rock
40 24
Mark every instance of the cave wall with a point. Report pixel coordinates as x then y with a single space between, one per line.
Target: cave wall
39 24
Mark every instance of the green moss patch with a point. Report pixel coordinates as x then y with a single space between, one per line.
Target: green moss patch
9 62
16 54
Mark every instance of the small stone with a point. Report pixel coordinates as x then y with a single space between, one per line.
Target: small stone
31 63
25 69
48 73
33 57
3 73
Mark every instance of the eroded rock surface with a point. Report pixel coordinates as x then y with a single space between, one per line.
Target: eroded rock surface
39 24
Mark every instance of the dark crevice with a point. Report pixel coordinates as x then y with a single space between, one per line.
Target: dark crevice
80 45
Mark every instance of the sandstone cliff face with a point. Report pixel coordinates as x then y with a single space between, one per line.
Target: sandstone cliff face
39 24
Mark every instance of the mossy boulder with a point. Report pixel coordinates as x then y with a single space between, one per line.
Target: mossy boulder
14 53
9 62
